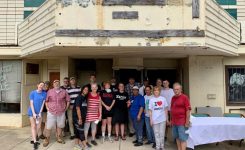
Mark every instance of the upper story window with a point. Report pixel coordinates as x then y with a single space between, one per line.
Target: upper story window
33 3
235 85
227 2
231 10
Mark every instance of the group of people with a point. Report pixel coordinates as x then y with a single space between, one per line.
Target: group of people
110 106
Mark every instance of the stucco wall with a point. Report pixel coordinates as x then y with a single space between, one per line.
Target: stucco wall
206 78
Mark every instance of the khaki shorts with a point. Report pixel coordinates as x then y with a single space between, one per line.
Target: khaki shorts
53 120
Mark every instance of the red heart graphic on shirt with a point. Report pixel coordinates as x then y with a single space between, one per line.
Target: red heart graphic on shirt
159 103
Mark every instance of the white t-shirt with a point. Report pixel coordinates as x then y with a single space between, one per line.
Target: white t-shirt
158 105
168 94
147 100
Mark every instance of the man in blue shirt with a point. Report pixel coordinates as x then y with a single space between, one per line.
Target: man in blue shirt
137 115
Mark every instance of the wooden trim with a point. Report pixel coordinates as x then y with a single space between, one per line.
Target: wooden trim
133 2
125 15
227 80
130 33
195 8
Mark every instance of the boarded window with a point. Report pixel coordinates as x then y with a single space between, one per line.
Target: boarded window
235 85
10 86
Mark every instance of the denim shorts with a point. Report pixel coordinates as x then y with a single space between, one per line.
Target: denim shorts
179 133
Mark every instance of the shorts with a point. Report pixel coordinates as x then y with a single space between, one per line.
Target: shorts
53 120
44 117
106 115
79 132
179 133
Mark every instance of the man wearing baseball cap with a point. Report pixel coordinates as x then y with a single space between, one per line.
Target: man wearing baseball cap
137 115
57 102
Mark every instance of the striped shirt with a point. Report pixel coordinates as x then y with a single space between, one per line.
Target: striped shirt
93 108
73 93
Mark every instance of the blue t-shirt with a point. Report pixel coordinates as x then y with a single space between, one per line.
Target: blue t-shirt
37 99
137 102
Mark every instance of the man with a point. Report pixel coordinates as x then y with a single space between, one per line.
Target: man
114 85
74 91
65 83
137 104
57 103
142 88
129 90
167 93
180 116
93 80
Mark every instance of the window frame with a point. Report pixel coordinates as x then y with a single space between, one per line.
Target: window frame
227 81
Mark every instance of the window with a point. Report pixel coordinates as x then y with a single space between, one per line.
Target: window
33 3
232 12
10 86
235 85
27 13
226 2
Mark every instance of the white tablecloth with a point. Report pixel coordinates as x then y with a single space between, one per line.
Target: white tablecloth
205 130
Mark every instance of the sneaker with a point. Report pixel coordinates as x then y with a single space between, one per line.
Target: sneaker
148 142
88 145
110 139
46 142
77 147
154 145
94 143
35 146
72 137
103 139
86 148
135 141
138 144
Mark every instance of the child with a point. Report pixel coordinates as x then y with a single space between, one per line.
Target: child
158 109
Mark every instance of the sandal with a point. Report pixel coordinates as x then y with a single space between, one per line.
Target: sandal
123 138
116 138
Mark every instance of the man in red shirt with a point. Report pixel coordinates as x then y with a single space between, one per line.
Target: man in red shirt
57 102
180 116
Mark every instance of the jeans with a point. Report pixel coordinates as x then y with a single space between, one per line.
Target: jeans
138 126
159 131
130 124
149 130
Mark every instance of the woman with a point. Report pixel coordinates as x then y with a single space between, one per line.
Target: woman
94 111
108 102
79 116
37 100
158 110
159 83
120 117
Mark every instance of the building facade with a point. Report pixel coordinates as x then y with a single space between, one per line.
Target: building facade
199 43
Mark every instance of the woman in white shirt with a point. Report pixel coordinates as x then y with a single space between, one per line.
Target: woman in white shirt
158 110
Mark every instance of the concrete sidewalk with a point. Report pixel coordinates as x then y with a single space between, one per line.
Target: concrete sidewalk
19 139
